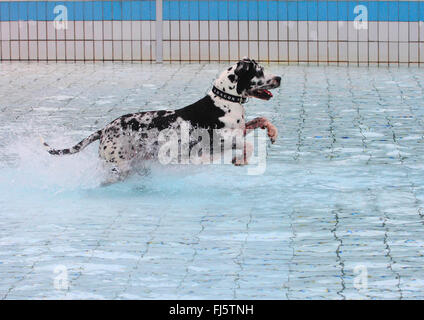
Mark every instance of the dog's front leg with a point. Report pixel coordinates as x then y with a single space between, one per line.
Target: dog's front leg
262 123
246 154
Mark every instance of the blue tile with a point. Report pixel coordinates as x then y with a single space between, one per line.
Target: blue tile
342 11
332 11
373 11
184 10
165 10
32 10
116 10
292 10
383 11
313 11
421 9
42 11
88 11
282 10
23 10
50 11
253 10
194 10
14 11
107 10
4 11
414 11
79 11
302 11
213 10
404 11
393 11
174 10
351 15
322 11
243 10
262 10
204 10
273 10
233 10
223 10
126 10
97 10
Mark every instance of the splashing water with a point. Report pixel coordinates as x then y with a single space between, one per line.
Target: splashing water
30 169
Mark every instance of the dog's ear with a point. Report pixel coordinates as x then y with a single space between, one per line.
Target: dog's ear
244 72
242 66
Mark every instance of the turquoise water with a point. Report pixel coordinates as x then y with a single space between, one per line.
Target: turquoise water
337 214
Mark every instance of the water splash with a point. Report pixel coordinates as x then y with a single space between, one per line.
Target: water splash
30 167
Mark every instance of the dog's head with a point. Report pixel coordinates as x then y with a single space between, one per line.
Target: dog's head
247 79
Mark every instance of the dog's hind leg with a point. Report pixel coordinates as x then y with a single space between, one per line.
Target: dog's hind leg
116 172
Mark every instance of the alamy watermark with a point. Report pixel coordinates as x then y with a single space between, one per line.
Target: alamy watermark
186 145
61 19
361 20
360 281
60 281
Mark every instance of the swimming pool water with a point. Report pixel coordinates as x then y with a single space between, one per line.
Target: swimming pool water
338 213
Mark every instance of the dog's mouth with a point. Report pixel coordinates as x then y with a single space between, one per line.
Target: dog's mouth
263 94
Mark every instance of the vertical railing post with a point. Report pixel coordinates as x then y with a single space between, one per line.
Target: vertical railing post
159 34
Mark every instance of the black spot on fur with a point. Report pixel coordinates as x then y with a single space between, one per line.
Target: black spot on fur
245 72
162 122
202 114
232 78
133 124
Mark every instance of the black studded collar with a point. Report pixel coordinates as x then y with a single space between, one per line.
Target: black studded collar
228 96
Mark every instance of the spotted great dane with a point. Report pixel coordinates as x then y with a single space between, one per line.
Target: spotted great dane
135 136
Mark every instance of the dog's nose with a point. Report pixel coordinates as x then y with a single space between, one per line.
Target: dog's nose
278 79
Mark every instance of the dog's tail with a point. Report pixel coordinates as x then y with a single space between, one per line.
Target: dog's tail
76 148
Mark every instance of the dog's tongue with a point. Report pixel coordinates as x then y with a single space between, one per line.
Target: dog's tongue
268 93
262 94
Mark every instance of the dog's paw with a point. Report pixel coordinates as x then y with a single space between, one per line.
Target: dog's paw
272 132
